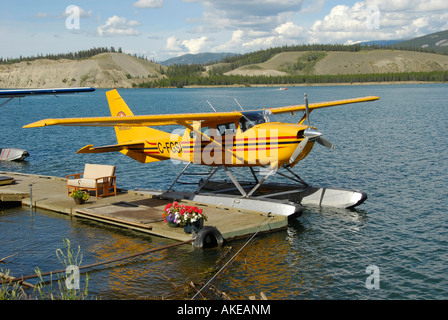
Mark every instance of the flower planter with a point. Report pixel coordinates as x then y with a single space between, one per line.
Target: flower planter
183 215
79 196
172 224
195 226
79 200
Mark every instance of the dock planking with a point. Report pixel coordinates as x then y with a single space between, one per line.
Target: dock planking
132 209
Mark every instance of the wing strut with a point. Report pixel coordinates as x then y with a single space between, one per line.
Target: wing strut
1 105
207 138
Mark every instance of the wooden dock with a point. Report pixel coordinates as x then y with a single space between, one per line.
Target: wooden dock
132 209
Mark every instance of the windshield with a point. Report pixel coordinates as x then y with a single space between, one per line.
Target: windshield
252 118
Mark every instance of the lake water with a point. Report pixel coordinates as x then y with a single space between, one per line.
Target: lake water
394 149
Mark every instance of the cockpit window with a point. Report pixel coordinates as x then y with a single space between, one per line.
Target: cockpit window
252 118
226 128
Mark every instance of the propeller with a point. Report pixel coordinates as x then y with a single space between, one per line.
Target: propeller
309 134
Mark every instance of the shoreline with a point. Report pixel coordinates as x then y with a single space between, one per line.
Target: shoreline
312 84
289 85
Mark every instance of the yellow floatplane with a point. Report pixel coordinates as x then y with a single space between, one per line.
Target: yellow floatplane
222 140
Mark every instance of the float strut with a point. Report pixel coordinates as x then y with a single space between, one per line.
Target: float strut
175 180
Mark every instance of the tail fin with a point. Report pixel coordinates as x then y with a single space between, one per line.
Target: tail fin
131 140
119 108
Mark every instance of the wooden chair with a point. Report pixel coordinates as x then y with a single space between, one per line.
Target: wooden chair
96 177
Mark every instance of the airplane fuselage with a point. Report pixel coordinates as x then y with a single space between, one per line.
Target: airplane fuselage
265 144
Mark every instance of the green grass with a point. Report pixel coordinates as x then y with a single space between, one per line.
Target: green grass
45 289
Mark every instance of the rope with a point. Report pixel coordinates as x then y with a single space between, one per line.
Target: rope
233 257
101 262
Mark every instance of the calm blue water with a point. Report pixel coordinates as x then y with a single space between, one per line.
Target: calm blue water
395 150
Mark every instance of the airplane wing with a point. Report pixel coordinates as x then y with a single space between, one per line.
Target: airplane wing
312 106
179 119
150 120
20 93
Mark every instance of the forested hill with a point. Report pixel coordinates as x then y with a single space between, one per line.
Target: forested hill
310 64
305 64
78 55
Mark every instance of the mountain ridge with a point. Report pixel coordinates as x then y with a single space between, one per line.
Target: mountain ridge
436 42
198 58
120 70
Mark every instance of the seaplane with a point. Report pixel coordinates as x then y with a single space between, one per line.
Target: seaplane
16 154
252 139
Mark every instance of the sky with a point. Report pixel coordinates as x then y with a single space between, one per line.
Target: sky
162 29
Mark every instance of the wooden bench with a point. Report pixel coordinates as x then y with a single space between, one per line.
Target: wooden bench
96 177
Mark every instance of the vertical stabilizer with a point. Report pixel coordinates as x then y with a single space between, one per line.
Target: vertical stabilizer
119 108
140 140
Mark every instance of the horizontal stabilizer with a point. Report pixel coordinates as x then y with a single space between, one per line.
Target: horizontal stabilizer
111 148
132 149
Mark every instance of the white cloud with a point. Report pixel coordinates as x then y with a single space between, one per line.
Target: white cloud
422 6
314 6
261 24
148 4
432 5
289 29
246 25
254 24
233 45
195 45
118 26
398 19
177 47
249 14
63 15
286 33
173 45
260 43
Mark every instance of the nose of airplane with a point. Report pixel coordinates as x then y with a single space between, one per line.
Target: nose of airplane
311 134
